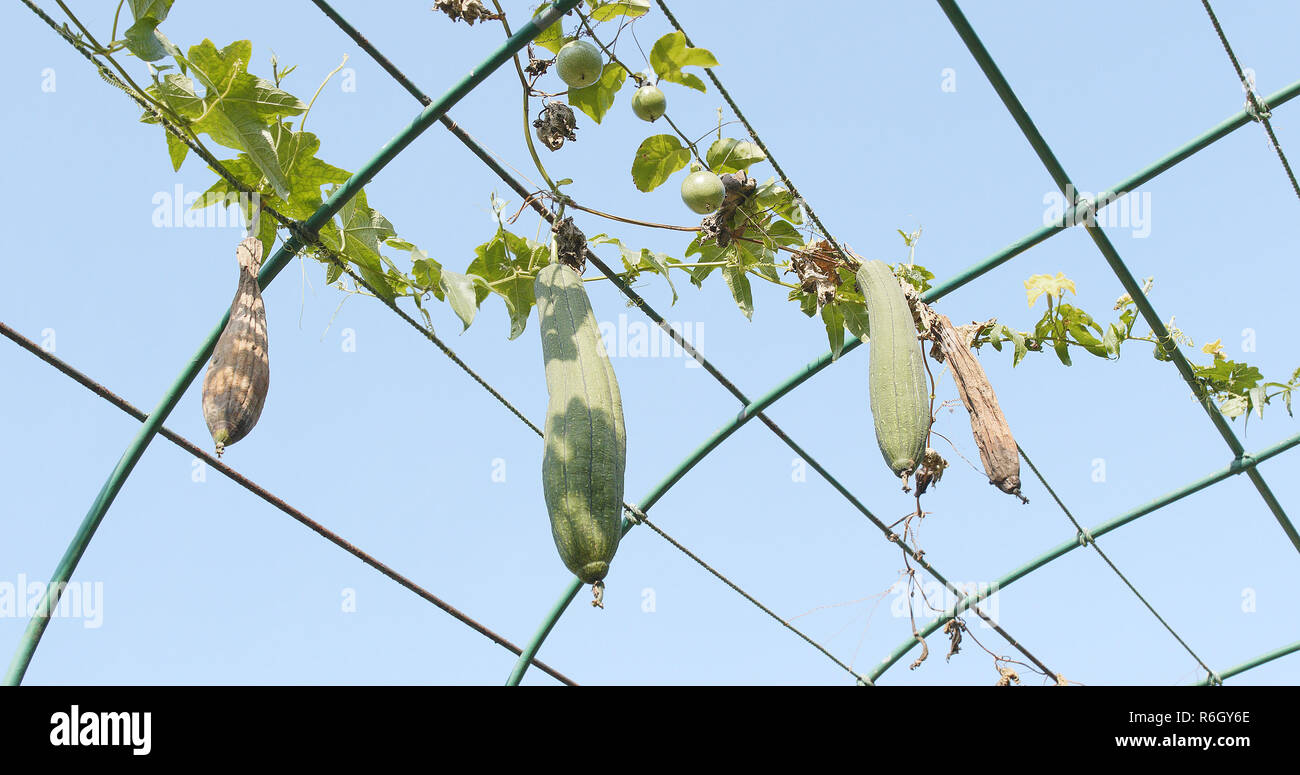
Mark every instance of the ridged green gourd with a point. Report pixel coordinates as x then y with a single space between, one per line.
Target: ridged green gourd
239 374
586 444
900 398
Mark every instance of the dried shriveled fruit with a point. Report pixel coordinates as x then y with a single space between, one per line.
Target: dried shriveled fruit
993 436
556 124
239 374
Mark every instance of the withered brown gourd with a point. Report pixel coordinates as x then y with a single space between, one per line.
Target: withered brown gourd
239 374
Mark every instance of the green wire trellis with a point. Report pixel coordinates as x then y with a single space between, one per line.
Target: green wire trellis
303 233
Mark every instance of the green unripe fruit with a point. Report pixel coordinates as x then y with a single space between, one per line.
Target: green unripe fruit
900 395
649 103
578 64
585 440
703 192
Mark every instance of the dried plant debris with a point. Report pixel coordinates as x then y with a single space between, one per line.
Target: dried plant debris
1009 676
817 267
571 245
993 436
716 227
468 11
930 471
953 629
538 67
555 124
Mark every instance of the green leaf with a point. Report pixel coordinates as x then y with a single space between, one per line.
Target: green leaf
656 160
155 9
659 262
1258 396
145 41
251 136
596 99
732 155
807 301
645 259
552 38
709 254
1233 407
506 276
143 38
306 174
176 150
238 106
464 293
670 54
916 276
215 69
833 317
783 233
1111 341
176 91
361 230
612 9
1062 349
855 318
779 200
1085 337
738 281
1018 339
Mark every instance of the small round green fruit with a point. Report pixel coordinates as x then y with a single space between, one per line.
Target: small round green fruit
703 192
579 64
649 103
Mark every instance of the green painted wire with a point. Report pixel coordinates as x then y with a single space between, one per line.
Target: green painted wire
216 464
1045 154
1218 678
940 290
1261 111
1088 538
1108 251
639 302
104 499
1237 466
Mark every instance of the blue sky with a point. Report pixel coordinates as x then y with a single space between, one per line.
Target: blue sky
394 448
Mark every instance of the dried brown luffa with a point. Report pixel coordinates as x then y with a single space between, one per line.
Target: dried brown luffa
234 388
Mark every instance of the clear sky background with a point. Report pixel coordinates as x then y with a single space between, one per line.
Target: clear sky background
394 447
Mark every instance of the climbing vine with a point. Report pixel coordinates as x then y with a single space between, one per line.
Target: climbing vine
757 232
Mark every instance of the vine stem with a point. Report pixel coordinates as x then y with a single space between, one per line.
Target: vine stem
639 79
528 134
102 51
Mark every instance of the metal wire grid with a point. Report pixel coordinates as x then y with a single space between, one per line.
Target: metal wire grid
1241 463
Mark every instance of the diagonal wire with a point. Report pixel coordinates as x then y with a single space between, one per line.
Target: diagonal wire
296 229
1258 109
641 303
1116 263
642 518
269 497
1086 537
759 140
